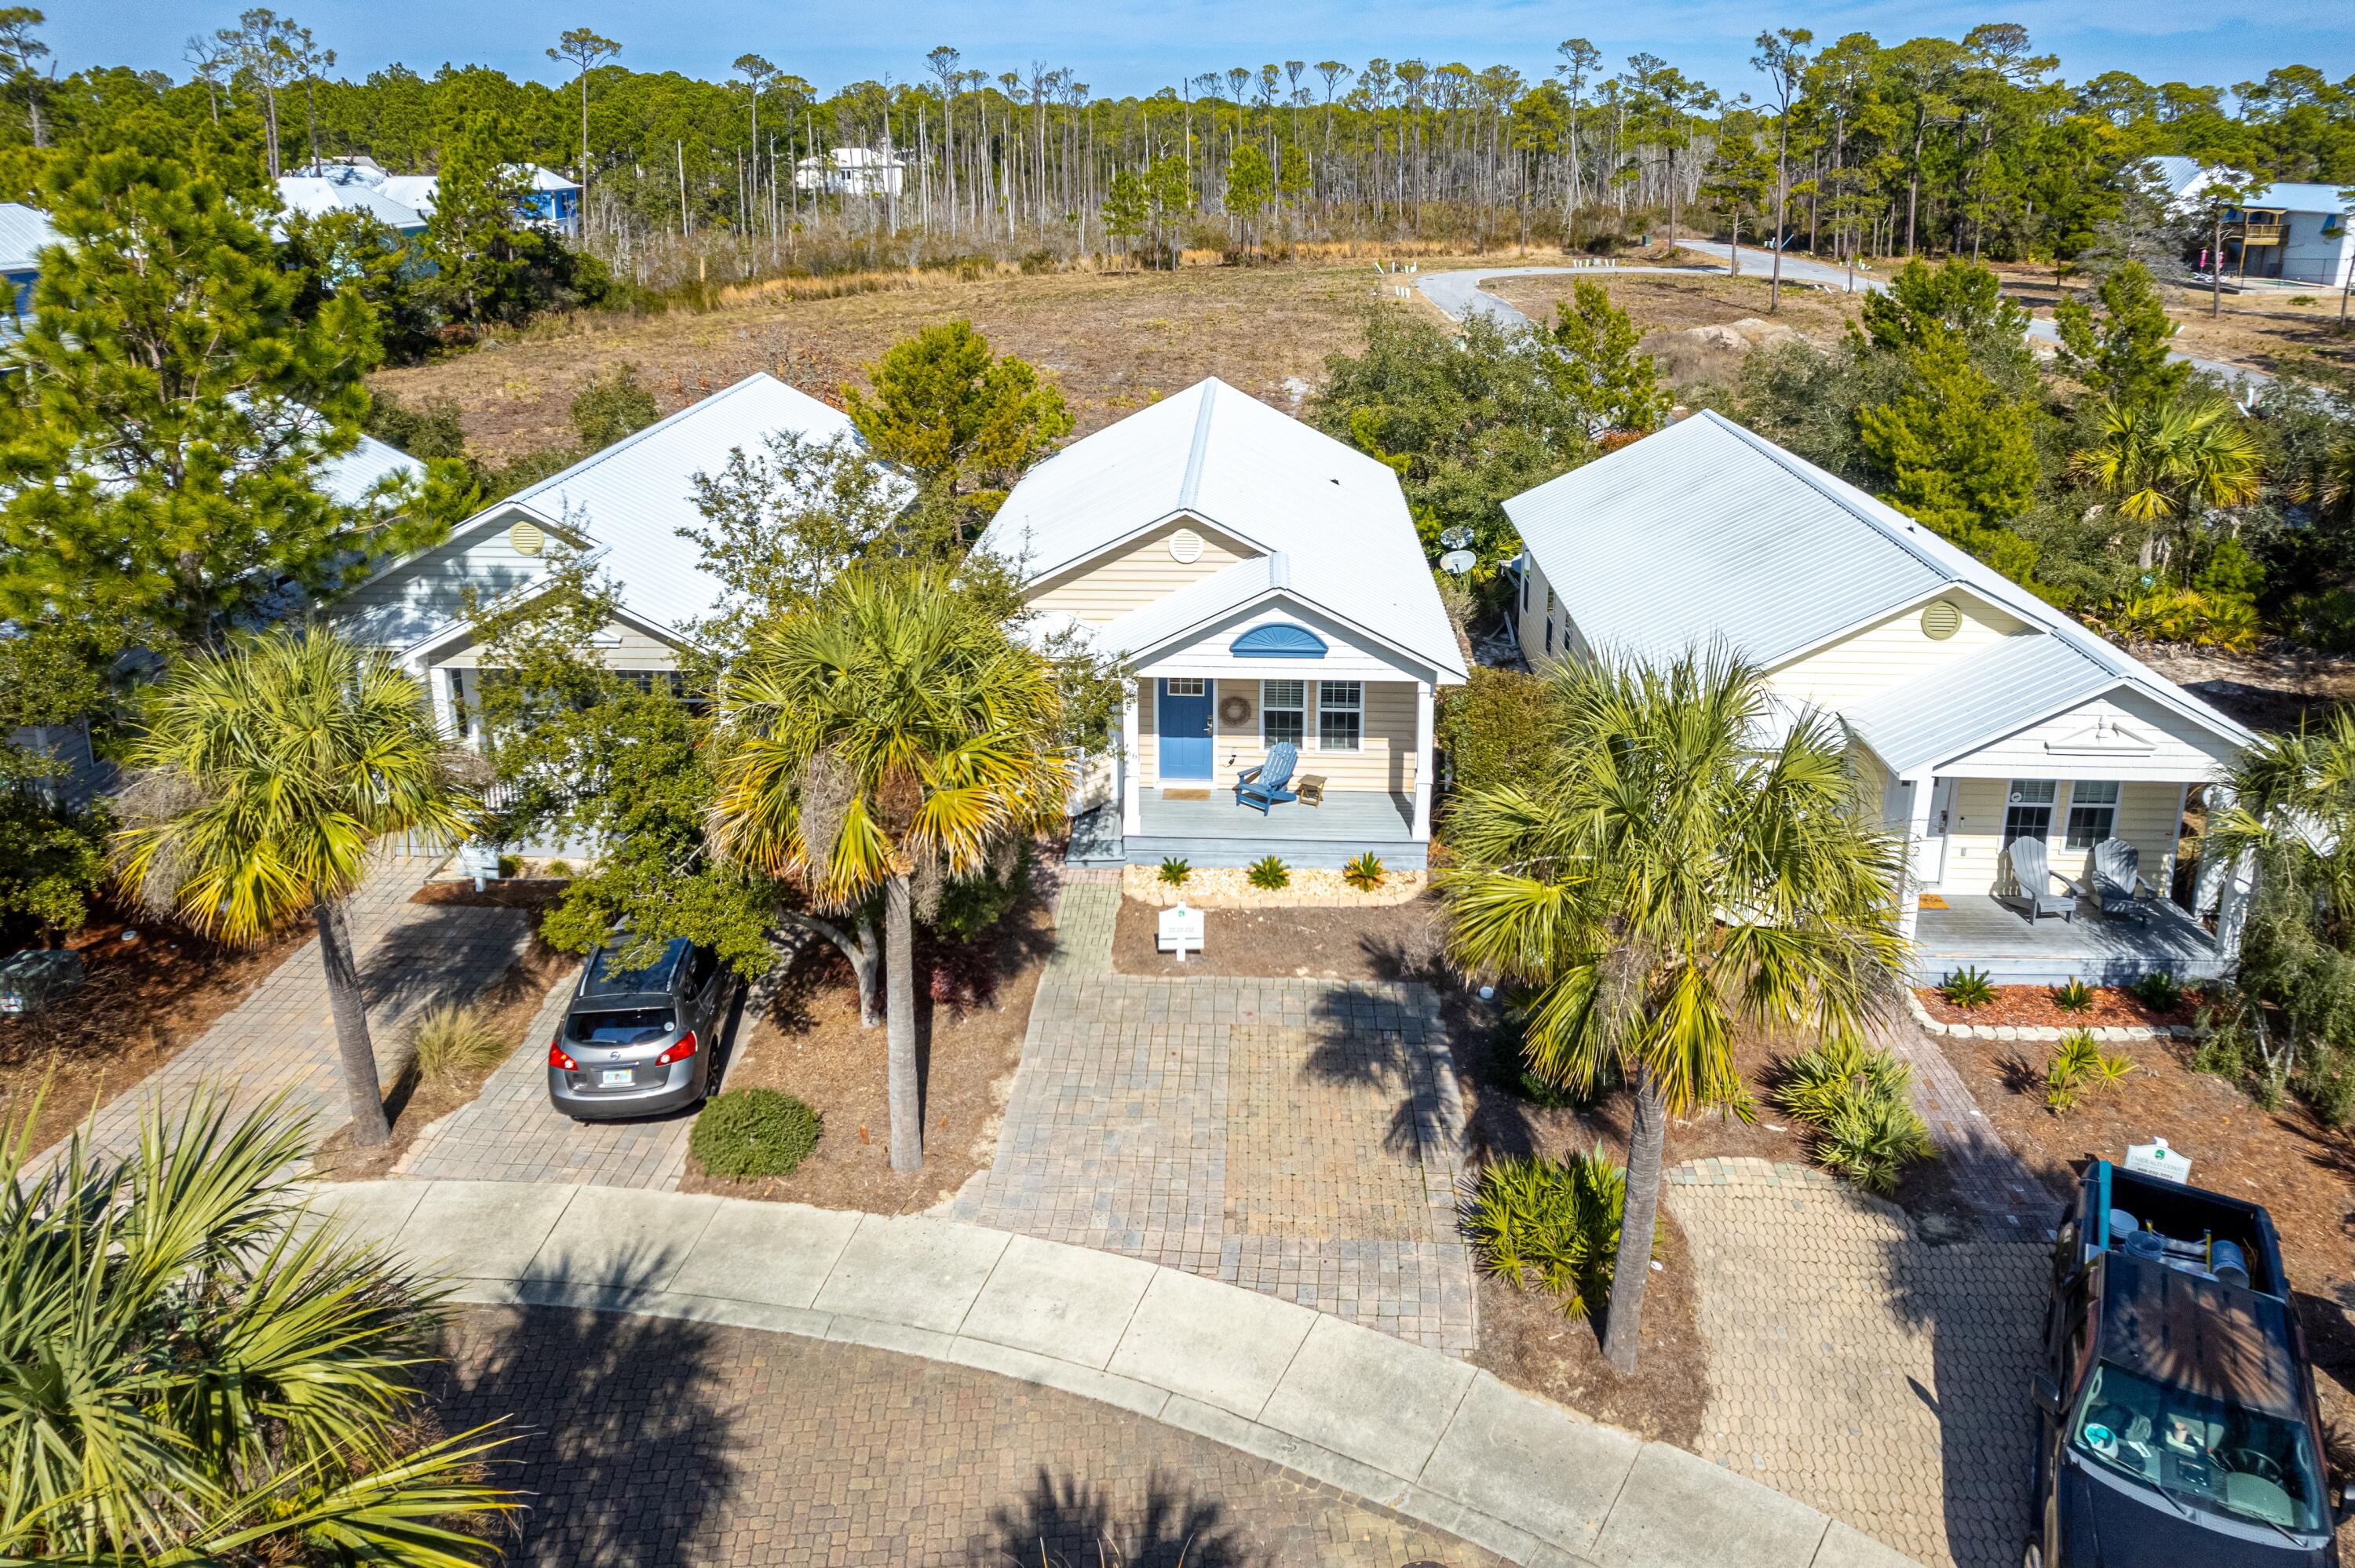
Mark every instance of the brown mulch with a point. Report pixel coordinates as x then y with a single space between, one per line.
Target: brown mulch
412 1103
811 1045
140 1004
2301 1170
1399 941
2031 1006
537 894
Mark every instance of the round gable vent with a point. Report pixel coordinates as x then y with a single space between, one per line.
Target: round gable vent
526 539
1941 621
1185 546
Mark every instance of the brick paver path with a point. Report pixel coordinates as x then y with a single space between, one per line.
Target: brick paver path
1859 1368
2012 1204
1301 1138
411 957
658 1441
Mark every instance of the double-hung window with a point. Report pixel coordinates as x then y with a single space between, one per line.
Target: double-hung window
1283 712
1340 714
2028 810
2092 811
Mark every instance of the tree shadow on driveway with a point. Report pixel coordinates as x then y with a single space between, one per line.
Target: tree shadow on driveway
1069 1523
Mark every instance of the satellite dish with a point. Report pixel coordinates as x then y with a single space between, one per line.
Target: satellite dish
1456 538
1458 561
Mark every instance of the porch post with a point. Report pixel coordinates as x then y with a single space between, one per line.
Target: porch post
1132 819
441 687
1917 828
1423 754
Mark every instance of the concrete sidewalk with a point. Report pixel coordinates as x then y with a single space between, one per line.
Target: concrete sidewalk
1399 1425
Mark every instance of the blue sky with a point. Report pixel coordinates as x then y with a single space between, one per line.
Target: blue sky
1122 45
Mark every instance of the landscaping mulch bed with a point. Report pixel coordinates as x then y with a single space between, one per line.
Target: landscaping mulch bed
1400 941
537 894
810 1044
2301 1170
140 1004
2032 1007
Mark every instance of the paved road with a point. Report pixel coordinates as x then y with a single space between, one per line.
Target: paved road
1459 293
1408 1427
651 1440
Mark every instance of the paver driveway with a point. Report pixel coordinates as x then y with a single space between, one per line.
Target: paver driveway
1301 1138
1859 1368
658 1441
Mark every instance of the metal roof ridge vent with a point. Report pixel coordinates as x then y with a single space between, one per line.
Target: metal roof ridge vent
1186 491
1279 569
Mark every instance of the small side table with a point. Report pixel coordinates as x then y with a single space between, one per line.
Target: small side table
1310 788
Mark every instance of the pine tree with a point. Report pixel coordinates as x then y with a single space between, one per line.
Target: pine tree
945 408
1250 182
1124 209
161 449
1599 365
2122 351
471 237
1170 191
1959 454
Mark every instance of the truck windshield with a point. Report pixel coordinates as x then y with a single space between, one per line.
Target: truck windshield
2201 1450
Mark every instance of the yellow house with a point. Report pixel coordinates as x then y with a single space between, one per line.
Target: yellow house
1979 715
1263 588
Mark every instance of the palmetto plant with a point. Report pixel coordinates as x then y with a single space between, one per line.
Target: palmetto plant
893 736
184 1378
1669 885
2166 460
265 773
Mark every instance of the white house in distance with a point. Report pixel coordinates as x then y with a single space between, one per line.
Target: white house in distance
851 171
622 508
1261 583
2287 232
1979 714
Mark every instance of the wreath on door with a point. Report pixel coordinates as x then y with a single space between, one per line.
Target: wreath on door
1234 710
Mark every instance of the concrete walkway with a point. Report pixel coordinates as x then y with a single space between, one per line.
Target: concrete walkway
1402 1425
282 1037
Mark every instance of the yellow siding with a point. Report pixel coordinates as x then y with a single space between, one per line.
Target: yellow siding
1384 760
2170 748
1531 624
623 647
2145 819
1109 587
1974 842
1888 655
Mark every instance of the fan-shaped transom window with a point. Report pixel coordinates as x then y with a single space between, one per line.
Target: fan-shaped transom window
1278 640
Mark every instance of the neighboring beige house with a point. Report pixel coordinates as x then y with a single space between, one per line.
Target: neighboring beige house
1263 583
1979 714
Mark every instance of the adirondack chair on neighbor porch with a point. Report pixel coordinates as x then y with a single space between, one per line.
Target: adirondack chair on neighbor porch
2119 889
1266 785
2031 875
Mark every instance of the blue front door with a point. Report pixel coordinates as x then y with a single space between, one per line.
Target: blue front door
1185 727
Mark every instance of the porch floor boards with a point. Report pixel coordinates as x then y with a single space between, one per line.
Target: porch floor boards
1982 933
1218 832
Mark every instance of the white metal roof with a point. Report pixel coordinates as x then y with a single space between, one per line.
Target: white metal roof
634 497
1707 532
314 197
350 478
23 230
1219 455
2010 684
2183 179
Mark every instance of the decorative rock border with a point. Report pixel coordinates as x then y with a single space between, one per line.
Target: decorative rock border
2110 1032
1229 887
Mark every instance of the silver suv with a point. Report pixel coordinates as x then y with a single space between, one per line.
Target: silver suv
639 1041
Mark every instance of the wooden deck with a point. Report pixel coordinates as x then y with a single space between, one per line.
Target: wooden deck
1218 832
1978 932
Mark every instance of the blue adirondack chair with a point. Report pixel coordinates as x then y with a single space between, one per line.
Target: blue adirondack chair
1264 785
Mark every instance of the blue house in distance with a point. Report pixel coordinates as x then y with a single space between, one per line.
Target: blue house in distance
23 230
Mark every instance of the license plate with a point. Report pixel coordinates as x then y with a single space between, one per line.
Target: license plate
614 1078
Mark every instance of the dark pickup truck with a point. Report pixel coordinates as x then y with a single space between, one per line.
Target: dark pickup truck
2175 1421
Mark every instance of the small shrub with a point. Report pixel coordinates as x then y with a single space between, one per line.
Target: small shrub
1175 871
753 1132
510 865
2079 1067
2160 991
1365 873
972 905
2074 997
1872 1139
1269 872
559 869
1966 987
1818 1083
1553 1224
450 1039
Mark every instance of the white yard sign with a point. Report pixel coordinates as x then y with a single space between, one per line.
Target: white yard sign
2155 1158
1181 928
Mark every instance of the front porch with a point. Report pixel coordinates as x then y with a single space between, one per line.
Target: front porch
1979 931
1204 827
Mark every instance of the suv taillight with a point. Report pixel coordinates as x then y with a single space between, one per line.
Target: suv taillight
556 1057
678 1053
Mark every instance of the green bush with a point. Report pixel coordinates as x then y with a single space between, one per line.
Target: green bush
972 905
2074 997
1175 871
1494 728
1365 873
1966 987
1269 872
1855 1100
2079 1067
2160 991
753 1132
612 406
453 1039
510 865
559 869
1553 1224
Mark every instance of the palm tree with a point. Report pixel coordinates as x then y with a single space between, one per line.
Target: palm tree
185 1378
892 737
2166 459
1678 878
268 771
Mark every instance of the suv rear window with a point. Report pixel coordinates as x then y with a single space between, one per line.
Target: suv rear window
628 1026
607 978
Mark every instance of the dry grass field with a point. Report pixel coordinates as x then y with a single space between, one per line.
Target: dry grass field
1673 302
